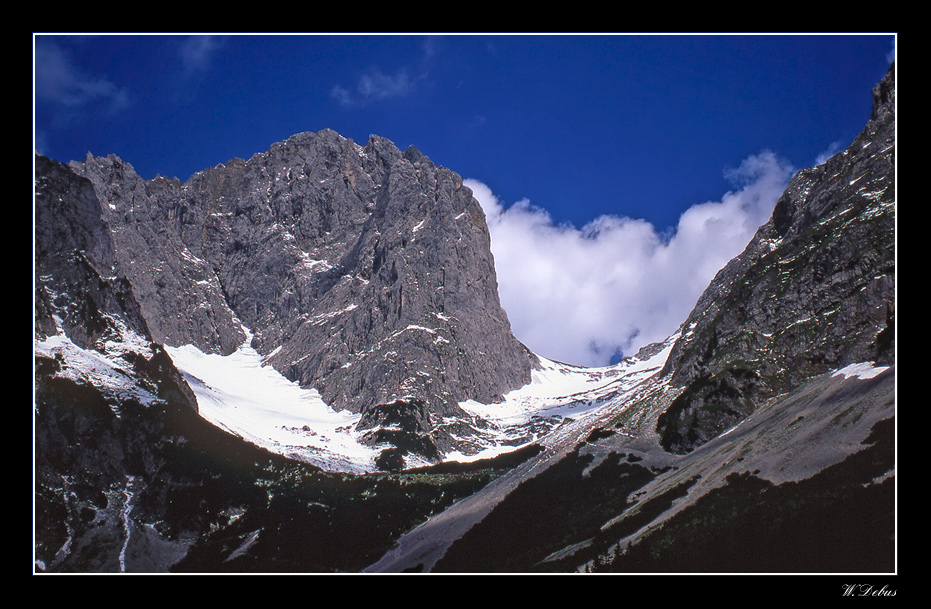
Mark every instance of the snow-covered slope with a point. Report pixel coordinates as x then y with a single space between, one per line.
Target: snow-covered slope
107 369
242 395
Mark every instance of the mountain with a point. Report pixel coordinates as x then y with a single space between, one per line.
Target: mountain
360 271
296 362
814 291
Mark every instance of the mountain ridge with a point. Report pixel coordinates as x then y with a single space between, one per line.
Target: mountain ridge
813 291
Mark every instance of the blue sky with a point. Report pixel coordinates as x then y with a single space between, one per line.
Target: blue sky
578 134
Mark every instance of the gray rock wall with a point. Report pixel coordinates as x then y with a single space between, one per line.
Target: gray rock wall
813 291
363 271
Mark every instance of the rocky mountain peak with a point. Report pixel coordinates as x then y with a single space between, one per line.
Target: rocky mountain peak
361 271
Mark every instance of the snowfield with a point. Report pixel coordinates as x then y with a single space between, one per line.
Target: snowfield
255 402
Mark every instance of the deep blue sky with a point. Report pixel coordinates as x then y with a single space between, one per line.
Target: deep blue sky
581 125
624 146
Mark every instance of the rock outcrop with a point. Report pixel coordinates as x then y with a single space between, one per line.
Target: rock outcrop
813 291
78 284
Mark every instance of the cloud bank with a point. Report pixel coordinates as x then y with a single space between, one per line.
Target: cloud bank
589 295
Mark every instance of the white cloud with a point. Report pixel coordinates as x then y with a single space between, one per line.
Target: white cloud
60 83
375 85
197 52
581 295
832 149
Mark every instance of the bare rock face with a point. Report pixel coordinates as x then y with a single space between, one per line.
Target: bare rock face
362 271
81 292
813 291
77 282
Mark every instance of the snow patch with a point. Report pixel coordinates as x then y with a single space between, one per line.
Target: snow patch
862 370
107 370
314 265
319 319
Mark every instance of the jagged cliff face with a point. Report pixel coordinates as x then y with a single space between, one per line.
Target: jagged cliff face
361 271
813 291
81 292
76 274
